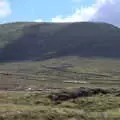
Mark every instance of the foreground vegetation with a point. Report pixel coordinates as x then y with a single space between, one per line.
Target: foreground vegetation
18 102
36 106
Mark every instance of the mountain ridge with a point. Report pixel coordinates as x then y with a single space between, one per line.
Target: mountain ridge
40 41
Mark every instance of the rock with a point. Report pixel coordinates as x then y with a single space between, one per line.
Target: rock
79 92
99 90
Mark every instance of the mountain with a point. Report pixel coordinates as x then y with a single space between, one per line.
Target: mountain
40 41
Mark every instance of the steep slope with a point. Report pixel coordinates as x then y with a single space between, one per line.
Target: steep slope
37 41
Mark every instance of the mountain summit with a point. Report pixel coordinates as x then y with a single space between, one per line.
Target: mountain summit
40 41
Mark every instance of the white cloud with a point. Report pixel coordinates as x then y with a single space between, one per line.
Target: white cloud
5 9
84 13
100 10
109 12
38 20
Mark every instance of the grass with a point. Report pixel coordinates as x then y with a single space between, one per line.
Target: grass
34 105
94 71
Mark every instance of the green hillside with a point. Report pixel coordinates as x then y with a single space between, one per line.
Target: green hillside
39 41
80 82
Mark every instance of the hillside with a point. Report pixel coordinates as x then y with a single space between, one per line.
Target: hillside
38 41
77 83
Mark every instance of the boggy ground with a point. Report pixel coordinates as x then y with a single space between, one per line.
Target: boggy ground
17 103
38 106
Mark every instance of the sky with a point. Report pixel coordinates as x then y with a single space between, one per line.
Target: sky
60 11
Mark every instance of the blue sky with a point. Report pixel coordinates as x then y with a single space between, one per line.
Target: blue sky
44 9
29 10
60 10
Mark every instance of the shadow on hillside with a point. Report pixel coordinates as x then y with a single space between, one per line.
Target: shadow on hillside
46 41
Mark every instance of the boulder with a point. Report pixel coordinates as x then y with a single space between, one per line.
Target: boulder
79 92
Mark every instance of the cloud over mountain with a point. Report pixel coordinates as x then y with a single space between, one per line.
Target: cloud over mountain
101 10
5 9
